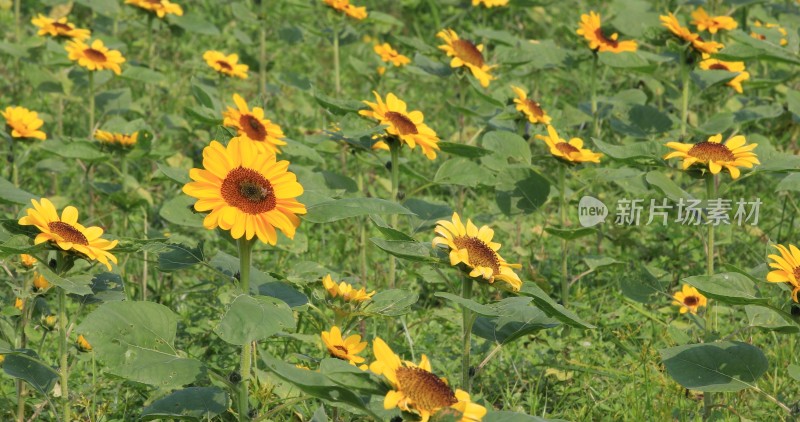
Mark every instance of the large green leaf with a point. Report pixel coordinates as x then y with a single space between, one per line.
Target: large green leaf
136 341
13 194
516 318
329 211
553 309
191 403
769 319
254 318
469 304
666 186
180 211
789 183
410 250
724 366
25 364
180 256
731 288
75 284
392 302
462 172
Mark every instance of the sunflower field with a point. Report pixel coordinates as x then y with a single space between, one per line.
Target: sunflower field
411 210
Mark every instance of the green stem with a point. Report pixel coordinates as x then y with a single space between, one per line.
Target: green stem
685 95
245 252
711 192
63 355
22 343
468 320
362 253
93 416
336 61
18 20
394 149
144 259
262 51
595 117
562 182
91 104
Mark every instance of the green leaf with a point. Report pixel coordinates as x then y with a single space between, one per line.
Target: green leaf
552 308
143 74
507 147
108 8
641 121
718 123
522 188
516 318
431 67
338 107
13 194
641 285
641 149
339 209
462 172
748 48
469 304
75 285
136 341
794 372
392 302
192 22
506 416
245 319
461 150
180 211
190 403
705 79
81 150
349 376
626 60
666 186
180 256
106 287
768 319
26 365
388 232
177 174
789 183
542 54
730 288
570 234
724 366
412 251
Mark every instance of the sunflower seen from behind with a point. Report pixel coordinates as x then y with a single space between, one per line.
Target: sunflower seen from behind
570 152
116 139
345 291
388 54
246 192
344 6
59 28
226 64
530 108
490 3
591 29
160 7
712 24
466 54
23 123
670 22
716 155
251 126
95 57
786 268
407 127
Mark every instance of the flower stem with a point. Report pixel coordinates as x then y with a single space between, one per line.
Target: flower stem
685 96
562 183
262 51
245 252
63 355
91 103
711 192
468 320
394 149
18 21
336 60
595 117
22 343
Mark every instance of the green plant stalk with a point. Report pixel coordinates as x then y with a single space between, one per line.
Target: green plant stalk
21 343
685 94
362 253
262 52
144 258
150 44
93 415
711 192
468 319
245 252
18 20
63 354
595 117
562 182
394 149
91 103
336 70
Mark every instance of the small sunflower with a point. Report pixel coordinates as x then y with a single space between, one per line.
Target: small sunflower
716 155
159 7
96 57
689 299
490 3
227 65
49 322
348 9
671 23
416 389
345 290
737 67
407 126
253 127
712 24
66 233
571 151
117 139
474 248
40 283
591 29
344 349
27 260
59 28
24 123
83 344
770 26
465 53
248 193
19 303
786 268
531 109
390 55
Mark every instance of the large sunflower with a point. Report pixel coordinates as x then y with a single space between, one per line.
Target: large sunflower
96 57
407 126
716 155
390 55
59 28
416 389
571 151
66 233
24 123
253 127
345 290
227 65
348 9
344 349
159 7
465 53
786 268
591 29
689 299
737 67
248 193
474 248
712 24
531 109
671 23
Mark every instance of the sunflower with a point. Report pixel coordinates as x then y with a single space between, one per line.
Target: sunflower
416 389
96 57
40 283
407 126
159 7
712 24
716 155
347 8
737 67
227 65
248 193
49 322
253 127
474 248
389 54
591 29
83 344
24 123
780 30
671 23
59 28
786 268
118 139
27 260
689 299
490 3
345 290
67 234
465 53
344 349
19 303
571 151
531 109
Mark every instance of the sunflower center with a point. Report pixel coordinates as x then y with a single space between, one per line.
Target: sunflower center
718 66
467 52
566 148
248 190
603 39
480 254
225 65
691 301
534 107
253 127
711 151
426 390
797 273
67 232
95 55
62 26
403 124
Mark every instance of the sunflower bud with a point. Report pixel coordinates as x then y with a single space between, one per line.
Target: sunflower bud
49 322
40 283
27 260
82 344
